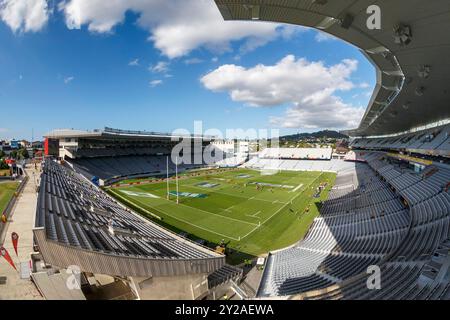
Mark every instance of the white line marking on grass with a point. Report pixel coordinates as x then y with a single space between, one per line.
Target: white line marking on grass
242 238
214 214
184 221
139 194
132 202
230 194
195 225
197 209
254 215
297 187
281 208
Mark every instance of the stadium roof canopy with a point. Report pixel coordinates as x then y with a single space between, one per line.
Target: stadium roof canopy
411 63
110 133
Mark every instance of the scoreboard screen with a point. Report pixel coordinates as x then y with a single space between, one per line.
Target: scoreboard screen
51 147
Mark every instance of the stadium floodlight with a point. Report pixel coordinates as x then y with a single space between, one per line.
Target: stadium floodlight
391 88
395 73
402 34
167 177
347 21
387 55
326 23
424 71
381 103
378 50
420 91
255 10
176 180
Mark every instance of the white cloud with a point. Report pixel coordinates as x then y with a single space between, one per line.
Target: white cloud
160 67
193 61
308 87
134 63
322 36
214 59
327 112
176 27
155 83
3 130
364 85
67 80
24 15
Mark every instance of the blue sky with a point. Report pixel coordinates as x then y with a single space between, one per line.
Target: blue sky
78 66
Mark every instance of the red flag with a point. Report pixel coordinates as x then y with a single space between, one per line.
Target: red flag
4 253
15 241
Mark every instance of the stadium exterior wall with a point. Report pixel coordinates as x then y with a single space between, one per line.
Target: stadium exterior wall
63 256
186 287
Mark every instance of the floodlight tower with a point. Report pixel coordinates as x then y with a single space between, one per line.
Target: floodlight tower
176 178
167 177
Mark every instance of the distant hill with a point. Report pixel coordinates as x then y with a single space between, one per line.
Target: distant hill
315 135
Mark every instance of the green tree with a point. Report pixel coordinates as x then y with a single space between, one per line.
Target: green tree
3 165
23 154
20 154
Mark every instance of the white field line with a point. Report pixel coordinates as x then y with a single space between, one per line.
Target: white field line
281 208
297 187
189 223
253 230
170 181
207 212
214 214
139 194
237 220
138 206
231 194
229 209
254 215
210 213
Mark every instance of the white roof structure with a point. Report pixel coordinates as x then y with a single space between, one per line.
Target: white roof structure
108 133
412 73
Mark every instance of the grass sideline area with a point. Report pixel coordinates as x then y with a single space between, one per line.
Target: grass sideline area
7 190
5 173
181 175
252 212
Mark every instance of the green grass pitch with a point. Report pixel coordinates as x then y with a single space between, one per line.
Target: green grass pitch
229 205
7 190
